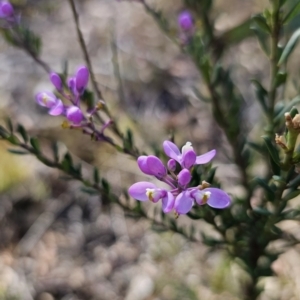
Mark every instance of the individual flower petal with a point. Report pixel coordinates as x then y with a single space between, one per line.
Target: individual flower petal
185 20
46 99
184 177
205 158
72 85
156 194
156 166
82 78
168 202
138 190
218 198
142 163
56 80
183 203
74 114
172 150
57 109
171 165
200 196
188 159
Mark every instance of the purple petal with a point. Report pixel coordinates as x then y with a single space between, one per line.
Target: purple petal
168 203
71 85
205 158
218 198
183 203
172 150
172 165
82 78
138 190
74 114
56 81
46 99
142 163
57 109
188 159
156 166
184 177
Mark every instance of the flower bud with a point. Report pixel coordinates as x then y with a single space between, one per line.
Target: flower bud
185 21
56 81
172 165
184 177
82 78
74 114
6 9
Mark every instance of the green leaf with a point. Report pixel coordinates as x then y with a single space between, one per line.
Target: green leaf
291 195
106 185
237 34
13 139
22 132
262 211
288 49
9 125
257 147
295 182
89 190
280 78
261 94
18 152
261 23
292 13
35 144
261 182
67 162
55 151
96 176
272 150
263 39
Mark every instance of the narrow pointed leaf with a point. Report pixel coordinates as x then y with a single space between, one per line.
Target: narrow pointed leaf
272 150
288 49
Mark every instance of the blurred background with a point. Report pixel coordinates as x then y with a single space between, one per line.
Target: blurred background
57 242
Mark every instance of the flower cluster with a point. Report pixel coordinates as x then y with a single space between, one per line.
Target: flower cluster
72 91
181 197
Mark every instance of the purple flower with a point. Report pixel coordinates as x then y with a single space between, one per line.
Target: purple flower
49 100
6 9
185 21
214 197
144 191
74 114
187 157
81 79
56 81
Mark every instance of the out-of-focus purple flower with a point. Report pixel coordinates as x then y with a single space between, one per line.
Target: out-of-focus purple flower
82 78
187 157
56 81
144 191
185 21
74 114
49 100
6 9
